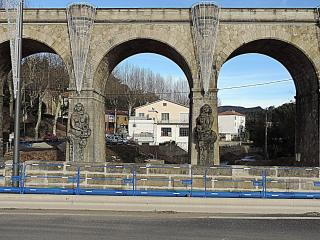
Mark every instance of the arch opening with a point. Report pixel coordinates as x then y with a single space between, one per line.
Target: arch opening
38 55
116 64
304 76
136 46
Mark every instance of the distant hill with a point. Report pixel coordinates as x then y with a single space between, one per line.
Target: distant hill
239 109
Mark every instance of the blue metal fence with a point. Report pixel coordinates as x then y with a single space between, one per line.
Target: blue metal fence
134 180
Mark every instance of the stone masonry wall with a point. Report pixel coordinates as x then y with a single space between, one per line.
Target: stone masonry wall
166 177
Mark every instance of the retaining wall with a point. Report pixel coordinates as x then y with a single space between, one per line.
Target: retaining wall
164 177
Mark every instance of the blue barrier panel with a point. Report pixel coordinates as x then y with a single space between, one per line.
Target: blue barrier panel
10 190
133 181
106 192
187 182
223 194
307 195
164 180
56 191
107 179
162 193
53 181
316 184
280 195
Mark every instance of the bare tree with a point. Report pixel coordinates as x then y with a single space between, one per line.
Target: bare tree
58 85
181 92
10 87
38 74
143 85
3 3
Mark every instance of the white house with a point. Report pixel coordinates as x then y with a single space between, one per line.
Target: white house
159 122
231 124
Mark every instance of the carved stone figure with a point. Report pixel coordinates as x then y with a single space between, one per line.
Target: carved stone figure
205 136
79 132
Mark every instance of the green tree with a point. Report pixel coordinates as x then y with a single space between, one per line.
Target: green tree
281 129
282 132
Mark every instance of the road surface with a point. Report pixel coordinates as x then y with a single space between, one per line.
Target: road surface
83 225
150 204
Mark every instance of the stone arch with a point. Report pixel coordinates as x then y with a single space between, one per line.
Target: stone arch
135 46
305 76
93 96
31 45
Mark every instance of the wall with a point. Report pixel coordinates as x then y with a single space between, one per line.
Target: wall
162 177
154 110
117 29
142 125
230 124
175 135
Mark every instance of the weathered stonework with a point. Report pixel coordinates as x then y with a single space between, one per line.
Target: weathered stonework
291 36
1 122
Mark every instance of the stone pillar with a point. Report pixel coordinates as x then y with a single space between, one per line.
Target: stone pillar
93 142
1 122
197 102
307 129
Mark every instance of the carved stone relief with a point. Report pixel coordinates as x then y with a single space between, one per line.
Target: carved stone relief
79 133
204 135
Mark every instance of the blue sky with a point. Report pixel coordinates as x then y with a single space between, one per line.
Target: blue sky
242 70
178 3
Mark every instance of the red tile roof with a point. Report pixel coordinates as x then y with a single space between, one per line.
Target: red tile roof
226 113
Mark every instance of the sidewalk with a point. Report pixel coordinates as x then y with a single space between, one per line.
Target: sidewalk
151 204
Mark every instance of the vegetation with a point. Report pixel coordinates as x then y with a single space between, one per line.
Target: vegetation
43 75
130 86
281 129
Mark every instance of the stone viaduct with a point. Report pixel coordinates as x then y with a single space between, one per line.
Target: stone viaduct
290 36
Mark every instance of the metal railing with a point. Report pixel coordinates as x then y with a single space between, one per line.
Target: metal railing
162 180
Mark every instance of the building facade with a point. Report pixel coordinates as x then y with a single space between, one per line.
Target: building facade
116 122
159 122
231 125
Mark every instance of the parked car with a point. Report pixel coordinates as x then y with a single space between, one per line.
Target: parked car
116 139
49 137
111 139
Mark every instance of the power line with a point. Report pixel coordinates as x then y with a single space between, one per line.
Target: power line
220 89
256 84
187 92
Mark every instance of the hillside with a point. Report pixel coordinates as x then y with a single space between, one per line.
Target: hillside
239 109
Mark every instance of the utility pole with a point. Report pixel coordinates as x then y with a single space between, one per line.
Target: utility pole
16 153
266 156
115 122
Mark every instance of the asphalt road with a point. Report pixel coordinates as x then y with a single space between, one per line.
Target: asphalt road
80 225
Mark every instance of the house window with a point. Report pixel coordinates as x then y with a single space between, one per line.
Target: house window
166 132
184 132
184 117
164 104
141 114
165 116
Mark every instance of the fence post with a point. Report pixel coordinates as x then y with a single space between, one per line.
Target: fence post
78 181
134 179
205 182
264 184
191 190
23 177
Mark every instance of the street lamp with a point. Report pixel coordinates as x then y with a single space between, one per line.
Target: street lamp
14 9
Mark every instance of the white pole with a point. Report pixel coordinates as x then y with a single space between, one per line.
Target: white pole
16 154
